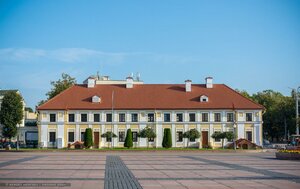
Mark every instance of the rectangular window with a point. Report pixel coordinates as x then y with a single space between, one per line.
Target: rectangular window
249 135
192 140
71 117
108 117
134 117
204 117
192 117
82 136
167 117
96 117
248 116
134 136
179 117
52 136
52 117
121 136
71 136
217 117
179 136
229 117
150 117
83 117
121 117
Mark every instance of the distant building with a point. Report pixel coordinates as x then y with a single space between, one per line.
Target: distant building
117 105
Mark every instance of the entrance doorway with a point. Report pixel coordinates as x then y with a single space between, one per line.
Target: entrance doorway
204 139
96 139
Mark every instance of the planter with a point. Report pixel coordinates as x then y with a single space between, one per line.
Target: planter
287 156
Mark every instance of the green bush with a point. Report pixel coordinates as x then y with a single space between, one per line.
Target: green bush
88 138
167 140
148 133
128 140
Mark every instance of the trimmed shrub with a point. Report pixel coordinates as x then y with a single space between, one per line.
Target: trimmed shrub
148 133
191 135
164 139
88 138
128 140
167 140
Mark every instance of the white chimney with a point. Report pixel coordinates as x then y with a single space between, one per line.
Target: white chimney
188 85
91 83
209 82
129 82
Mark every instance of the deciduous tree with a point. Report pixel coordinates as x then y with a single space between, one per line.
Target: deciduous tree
11 113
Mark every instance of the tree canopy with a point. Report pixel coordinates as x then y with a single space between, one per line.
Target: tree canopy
11 113
60 85
148 133
279 116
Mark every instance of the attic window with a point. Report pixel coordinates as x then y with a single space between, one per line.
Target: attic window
96 99
203 98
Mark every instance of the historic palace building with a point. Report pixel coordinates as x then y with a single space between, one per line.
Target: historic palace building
117 105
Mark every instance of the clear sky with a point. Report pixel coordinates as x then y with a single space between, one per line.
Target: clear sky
252 45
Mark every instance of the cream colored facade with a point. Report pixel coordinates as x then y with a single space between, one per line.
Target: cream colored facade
63 129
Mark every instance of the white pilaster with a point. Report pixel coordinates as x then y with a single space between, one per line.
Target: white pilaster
44 135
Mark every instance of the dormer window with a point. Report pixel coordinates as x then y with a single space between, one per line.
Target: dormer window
203 98
96 99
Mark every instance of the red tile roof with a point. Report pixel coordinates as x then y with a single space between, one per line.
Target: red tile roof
149 96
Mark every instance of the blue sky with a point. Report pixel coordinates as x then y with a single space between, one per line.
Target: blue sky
252 45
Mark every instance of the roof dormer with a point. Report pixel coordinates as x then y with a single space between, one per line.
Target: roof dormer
203 98
96 99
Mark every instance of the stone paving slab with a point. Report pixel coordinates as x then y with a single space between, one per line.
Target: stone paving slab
84 170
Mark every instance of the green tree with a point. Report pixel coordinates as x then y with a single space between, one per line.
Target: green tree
229 135
109 135
279 116
192 134
128 140
11 113
60 85
28 109
219 135
88 138
147 133
244 93
167 140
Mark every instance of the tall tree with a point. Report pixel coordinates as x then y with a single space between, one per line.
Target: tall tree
11 113
60 85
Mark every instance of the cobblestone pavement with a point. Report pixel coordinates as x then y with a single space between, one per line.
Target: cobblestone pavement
148 170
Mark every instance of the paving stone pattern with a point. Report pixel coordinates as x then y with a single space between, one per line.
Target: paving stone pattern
148 170
118 176
268 174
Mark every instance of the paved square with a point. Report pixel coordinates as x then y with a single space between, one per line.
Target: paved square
146 170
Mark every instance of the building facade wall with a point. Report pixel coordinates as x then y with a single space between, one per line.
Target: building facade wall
61 126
